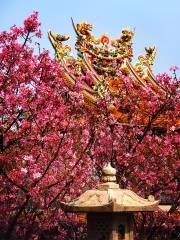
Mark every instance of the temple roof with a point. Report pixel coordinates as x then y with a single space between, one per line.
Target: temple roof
101 58
109 197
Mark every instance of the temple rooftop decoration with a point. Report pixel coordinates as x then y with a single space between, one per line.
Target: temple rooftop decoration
110 209
101 63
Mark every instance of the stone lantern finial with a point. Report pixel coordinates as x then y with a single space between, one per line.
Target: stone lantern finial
109 174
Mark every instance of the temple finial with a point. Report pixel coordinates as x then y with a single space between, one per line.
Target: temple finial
109 174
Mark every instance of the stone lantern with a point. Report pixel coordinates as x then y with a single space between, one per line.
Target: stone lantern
110 209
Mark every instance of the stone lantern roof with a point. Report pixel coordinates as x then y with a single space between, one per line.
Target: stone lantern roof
109 197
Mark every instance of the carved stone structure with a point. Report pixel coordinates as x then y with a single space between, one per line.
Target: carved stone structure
110 209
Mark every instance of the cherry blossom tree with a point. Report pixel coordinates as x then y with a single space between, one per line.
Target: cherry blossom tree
52 147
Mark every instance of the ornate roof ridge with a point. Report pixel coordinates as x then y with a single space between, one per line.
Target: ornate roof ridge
106 62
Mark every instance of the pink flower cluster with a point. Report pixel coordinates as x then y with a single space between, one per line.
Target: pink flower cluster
31 24
174 68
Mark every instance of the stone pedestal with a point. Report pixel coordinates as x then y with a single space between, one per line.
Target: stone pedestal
110 226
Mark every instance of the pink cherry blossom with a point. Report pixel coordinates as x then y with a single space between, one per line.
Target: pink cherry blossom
174 68
24 170
37 175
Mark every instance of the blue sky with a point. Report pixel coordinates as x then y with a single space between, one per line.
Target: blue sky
156 22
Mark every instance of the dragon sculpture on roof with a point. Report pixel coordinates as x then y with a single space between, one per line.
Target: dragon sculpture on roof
102 57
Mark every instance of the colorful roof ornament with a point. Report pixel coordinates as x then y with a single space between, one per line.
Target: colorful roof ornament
101 58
